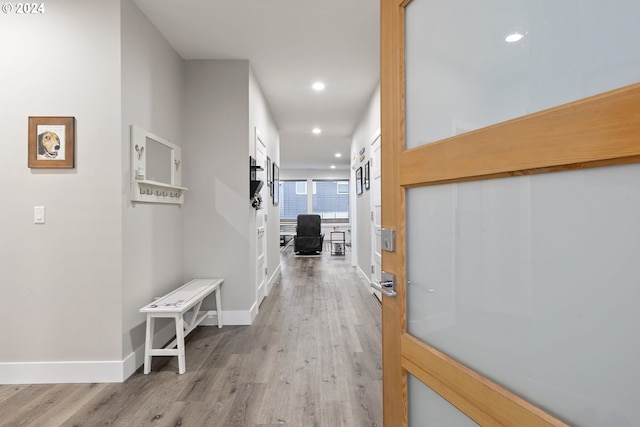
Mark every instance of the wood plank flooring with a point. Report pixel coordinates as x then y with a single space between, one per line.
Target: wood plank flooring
311 358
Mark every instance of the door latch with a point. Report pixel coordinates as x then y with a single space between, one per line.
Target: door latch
387 285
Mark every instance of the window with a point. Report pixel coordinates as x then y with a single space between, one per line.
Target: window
301 187
292 202
331 200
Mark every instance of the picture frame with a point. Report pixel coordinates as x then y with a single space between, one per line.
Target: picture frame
276 184
359 181
51 142
269 176
366 176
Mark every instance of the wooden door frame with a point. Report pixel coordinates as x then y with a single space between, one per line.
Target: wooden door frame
597 131
394 389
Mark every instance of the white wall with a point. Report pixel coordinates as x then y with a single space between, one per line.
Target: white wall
60 281
217 210
223 107
363 136
152 234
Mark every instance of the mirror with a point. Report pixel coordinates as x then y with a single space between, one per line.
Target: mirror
158 161
156 168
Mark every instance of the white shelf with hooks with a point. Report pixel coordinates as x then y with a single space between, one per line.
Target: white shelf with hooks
156 169
157 192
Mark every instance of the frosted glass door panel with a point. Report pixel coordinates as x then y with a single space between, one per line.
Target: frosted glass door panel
461 73
534 281
428 409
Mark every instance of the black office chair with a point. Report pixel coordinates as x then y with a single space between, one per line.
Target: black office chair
309 237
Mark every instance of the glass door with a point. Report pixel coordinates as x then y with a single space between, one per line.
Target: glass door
514 285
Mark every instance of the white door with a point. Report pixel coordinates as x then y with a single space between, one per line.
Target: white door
376 227
261 225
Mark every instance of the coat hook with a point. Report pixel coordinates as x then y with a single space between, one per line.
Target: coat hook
140 150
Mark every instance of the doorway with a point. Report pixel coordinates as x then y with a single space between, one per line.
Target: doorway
261 226
376 215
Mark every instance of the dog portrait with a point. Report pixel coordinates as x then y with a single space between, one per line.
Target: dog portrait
48 145
51 142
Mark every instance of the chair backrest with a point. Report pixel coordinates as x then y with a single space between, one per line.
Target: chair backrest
308 225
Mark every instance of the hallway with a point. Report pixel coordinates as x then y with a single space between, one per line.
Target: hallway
311 358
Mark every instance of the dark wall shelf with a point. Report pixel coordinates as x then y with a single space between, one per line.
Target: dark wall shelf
255 184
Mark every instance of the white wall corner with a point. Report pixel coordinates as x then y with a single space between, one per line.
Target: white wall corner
253 312
132 362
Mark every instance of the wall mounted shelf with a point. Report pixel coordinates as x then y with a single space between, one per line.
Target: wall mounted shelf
255 184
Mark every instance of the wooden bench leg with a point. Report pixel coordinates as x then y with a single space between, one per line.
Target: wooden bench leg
148 344
218 307
180 344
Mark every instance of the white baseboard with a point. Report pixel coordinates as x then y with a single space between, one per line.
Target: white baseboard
132 362
365 279
272 279
361 273
253 312
233 317
62 372
99 371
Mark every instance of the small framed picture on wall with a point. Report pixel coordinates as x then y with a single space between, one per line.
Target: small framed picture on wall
269 176
276 184
359 180
52 142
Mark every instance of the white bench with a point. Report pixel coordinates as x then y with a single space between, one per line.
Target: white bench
186 299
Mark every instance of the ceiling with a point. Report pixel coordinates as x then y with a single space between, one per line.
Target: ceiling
290 44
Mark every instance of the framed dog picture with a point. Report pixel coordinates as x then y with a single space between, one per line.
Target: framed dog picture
52 142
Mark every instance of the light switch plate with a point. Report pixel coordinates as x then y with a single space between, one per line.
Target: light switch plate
38 215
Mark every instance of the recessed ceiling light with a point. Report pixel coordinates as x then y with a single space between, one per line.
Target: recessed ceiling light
332 166
338 155
317 131
318 86
512 38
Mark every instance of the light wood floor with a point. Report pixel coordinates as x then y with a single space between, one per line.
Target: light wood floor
311 358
